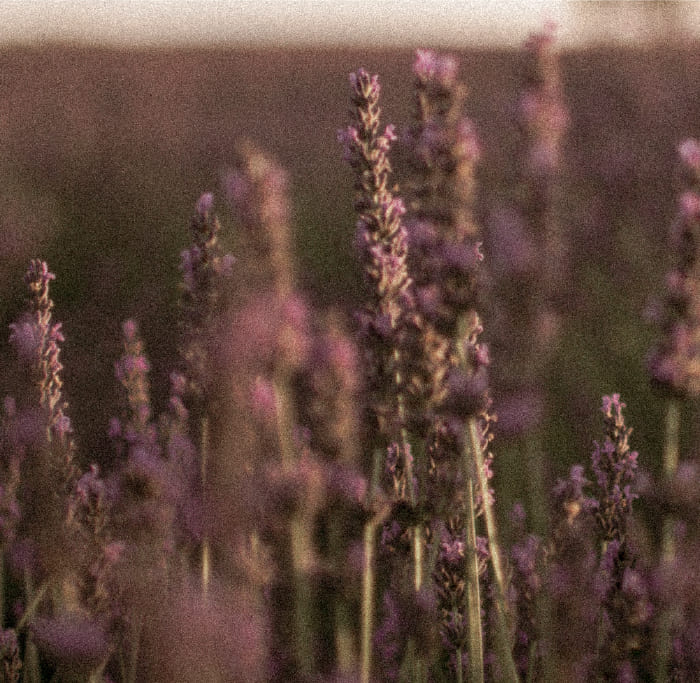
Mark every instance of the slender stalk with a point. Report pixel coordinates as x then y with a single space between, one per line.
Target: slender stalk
671 443
476 649
503 642
538 505
537 489
367 614
475 444
31 666
2 588
34 600
670 456
206 550
343 620
135 647
303 593
368 578
345 650
416 535
285 420
300 542
417 665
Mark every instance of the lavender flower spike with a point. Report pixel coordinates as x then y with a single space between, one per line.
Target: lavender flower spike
386 321
674 364
37 340
614 465
258 191
382 241
204 268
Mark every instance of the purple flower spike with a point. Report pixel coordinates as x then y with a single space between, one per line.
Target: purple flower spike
388 319
614 466
689 153
674 363
205 204
37 341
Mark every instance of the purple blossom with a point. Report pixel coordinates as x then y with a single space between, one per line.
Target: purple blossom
614 466
431 67
205 204
689 153
27 338
673 362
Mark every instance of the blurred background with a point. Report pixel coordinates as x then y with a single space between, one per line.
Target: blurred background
115 116
355 23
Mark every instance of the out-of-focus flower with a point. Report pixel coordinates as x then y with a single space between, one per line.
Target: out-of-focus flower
674 363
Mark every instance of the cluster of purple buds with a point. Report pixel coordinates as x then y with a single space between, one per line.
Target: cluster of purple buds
131 371
467 382
614 466
445 274
386 320
144 487
569 495
37 341
204 266
443 235
674 364
449 581
526 554
258 191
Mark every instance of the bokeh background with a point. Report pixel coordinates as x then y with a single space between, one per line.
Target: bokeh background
114 117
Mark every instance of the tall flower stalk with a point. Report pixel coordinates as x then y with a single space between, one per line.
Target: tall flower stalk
625 609
48 472
386 318
258 190
674 364
444 256
204 269
543 121
38 340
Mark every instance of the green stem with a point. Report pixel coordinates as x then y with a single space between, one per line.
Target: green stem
368 578
206 550
367 615
417 665
34 600
137 627
343 622
673 428
2 588
300 541
670 456
345 650
31 666
302 554
489 517
532 449
476 650
459 665
416 535
503 641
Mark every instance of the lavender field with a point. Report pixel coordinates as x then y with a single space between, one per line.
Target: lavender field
343 366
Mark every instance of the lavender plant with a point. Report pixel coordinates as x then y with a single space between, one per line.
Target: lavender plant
673 362
386 323
316 501
445 254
